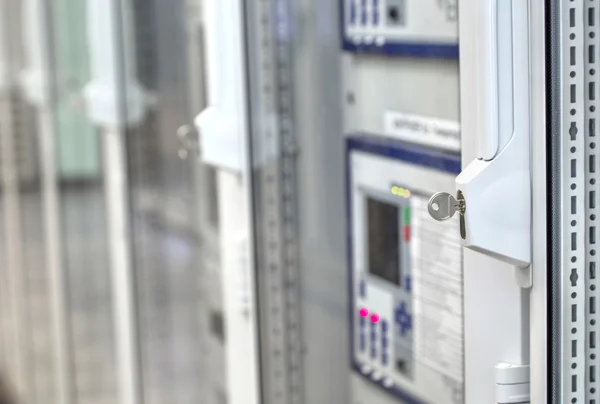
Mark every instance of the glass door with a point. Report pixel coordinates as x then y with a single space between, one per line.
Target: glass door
174 212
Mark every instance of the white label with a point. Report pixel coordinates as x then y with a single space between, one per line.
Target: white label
423 130
437 278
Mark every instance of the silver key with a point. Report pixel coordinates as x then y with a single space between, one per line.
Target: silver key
442 206
462 208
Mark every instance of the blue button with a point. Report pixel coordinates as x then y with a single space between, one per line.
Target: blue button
363 322
363 342
384 359
408 283
403 319
363 289
375 12
384 326
352 12
384 342
364 16
399 312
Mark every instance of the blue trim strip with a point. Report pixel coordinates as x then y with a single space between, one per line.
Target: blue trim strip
438 160
399 150
438 51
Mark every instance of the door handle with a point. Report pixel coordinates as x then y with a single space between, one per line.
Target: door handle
496 186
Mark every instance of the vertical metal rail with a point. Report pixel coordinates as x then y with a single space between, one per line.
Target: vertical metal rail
113 73
591 113
579 53
13 275
574 202
274 158
554 246
289 233
53 237
539 317
122 279
42 93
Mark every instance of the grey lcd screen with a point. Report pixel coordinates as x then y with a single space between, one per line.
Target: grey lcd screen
383 240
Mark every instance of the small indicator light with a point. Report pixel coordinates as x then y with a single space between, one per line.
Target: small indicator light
406 216
398 191
374 318
364 312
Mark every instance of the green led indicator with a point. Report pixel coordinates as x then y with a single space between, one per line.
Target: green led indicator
406 218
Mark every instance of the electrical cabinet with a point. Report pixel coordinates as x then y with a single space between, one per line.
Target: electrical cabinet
403 143
405 271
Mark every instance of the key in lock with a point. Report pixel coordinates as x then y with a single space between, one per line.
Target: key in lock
442 206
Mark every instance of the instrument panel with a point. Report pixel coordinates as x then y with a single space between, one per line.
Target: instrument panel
426 28
405 270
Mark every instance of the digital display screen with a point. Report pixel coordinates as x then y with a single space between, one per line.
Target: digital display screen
383 234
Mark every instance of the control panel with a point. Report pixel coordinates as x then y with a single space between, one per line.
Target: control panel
405 270
427 28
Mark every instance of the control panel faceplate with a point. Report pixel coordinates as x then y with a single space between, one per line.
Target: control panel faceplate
403 27
406 271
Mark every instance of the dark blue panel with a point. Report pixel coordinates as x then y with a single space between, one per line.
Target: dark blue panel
438 51
398 150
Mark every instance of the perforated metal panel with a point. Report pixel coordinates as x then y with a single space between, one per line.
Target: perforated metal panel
592 117
580 201
274 153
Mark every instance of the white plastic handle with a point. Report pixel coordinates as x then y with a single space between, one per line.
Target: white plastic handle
487 80
222 124
500 178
